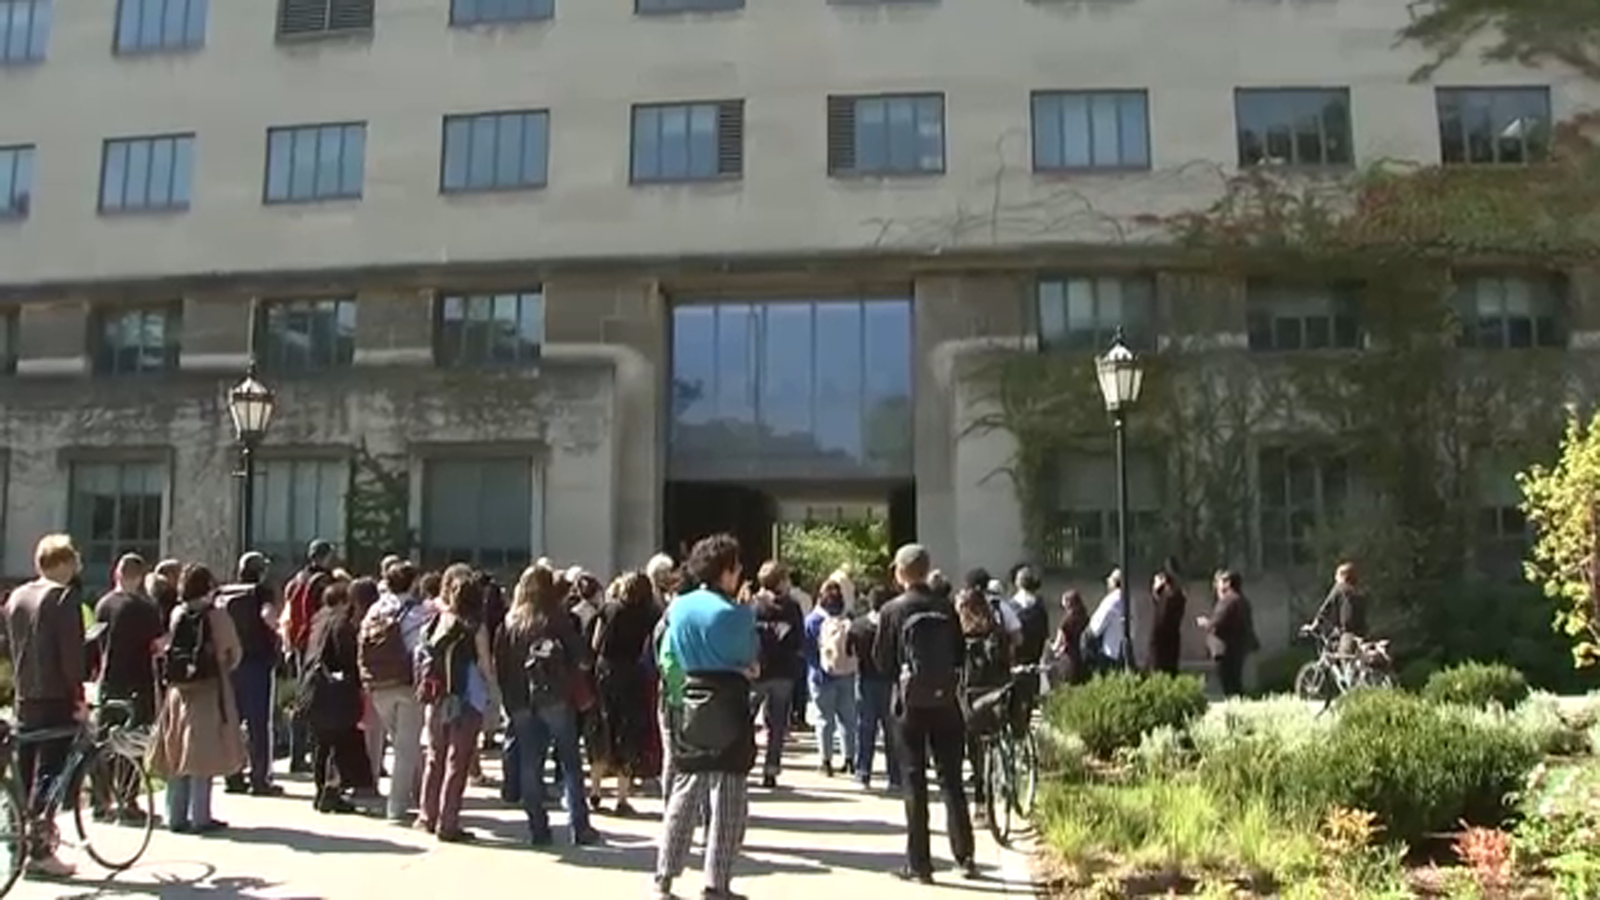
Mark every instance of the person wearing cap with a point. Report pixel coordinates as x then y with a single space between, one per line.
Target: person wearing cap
253 606
131 626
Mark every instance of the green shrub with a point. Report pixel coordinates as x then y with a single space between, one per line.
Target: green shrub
1115 711
1420 767
1275 672
1477 684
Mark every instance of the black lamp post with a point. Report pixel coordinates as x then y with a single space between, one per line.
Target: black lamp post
251 404
1121 376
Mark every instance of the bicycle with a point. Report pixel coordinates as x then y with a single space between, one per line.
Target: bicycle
100 783
1333 674
1011 760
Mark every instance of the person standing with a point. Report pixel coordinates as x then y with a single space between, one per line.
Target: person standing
711 643
1070 666
1230 631
1168 605
391 632
132 634
920 638
1105 626
780 628
1033 641
831 667
1344 611
331 693
197 735
873 689
302 599
456 657
253 606
44 640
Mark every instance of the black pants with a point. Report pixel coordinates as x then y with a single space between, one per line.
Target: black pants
40 763
339 760
941 733
1230 672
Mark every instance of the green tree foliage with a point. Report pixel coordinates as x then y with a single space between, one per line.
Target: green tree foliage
1562 500
816 549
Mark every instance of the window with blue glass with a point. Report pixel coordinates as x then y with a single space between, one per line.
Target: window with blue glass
1086 312
131 341
688 141
16 181
1283 316
495 151
491 12
24 31
316 162
1494 126
146 174
306 335
1090 130
489 330
901 134
1499 311
1294 126
157 26
791 389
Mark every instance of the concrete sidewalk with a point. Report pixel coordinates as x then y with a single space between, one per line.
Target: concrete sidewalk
814 837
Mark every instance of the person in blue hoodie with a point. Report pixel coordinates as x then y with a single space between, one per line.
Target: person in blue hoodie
831 667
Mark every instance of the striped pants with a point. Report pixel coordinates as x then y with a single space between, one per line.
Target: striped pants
729 799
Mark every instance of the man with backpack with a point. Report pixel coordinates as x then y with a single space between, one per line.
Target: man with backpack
920 638
386 650
832 668
302 598
252 604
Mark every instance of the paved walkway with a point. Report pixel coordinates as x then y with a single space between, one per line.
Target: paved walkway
815 837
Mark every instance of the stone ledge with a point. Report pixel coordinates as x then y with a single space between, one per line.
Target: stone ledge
49 366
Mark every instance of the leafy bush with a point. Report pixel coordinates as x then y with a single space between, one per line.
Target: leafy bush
1115 711
1477 684
1420 767
1287 720
1540 718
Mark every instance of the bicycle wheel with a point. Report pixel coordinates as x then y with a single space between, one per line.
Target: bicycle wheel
1025 774
113 807
997 793
1311 682
14 838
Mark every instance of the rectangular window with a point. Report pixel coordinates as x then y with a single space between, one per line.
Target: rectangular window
674 6
1301 496
306 335
145 339
156 26
9 321
483 330
298 501
1081 531
298 18
886 135
1084 312
688 141
16 181
480 512
495 152
1294 126
1494 126
494 12
116 508
1296 317
1501 312
316 162
1503 534
24 31
146 174
1090 130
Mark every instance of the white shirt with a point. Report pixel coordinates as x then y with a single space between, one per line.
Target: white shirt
1106 624
411 623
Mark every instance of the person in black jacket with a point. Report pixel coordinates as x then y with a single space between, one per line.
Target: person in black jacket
1031 645
1166 628
332 687
780 628
1344 611
926 709
1230 632
873 690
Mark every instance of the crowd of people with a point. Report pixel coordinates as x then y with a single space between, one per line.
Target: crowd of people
660 677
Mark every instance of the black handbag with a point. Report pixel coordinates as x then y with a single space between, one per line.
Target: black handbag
714 730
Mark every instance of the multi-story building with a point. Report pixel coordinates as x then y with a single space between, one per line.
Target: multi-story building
586 278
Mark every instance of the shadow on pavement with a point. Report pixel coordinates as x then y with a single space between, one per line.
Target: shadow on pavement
173 887
311 842
825 826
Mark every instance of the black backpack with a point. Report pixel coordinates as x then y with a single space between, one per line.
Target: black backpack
986 665
191 654
547 670
930 675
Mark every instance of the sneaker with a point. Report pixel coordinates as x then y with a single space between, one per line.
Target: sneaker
969 869
181 828
827 768
50 867
133 815
849 767
625 809
541 838
234 785
769 781
459 836
587 837
211 827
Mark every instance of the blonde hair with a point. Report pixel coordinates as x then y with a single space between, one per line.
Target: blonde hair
533 590
54 551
